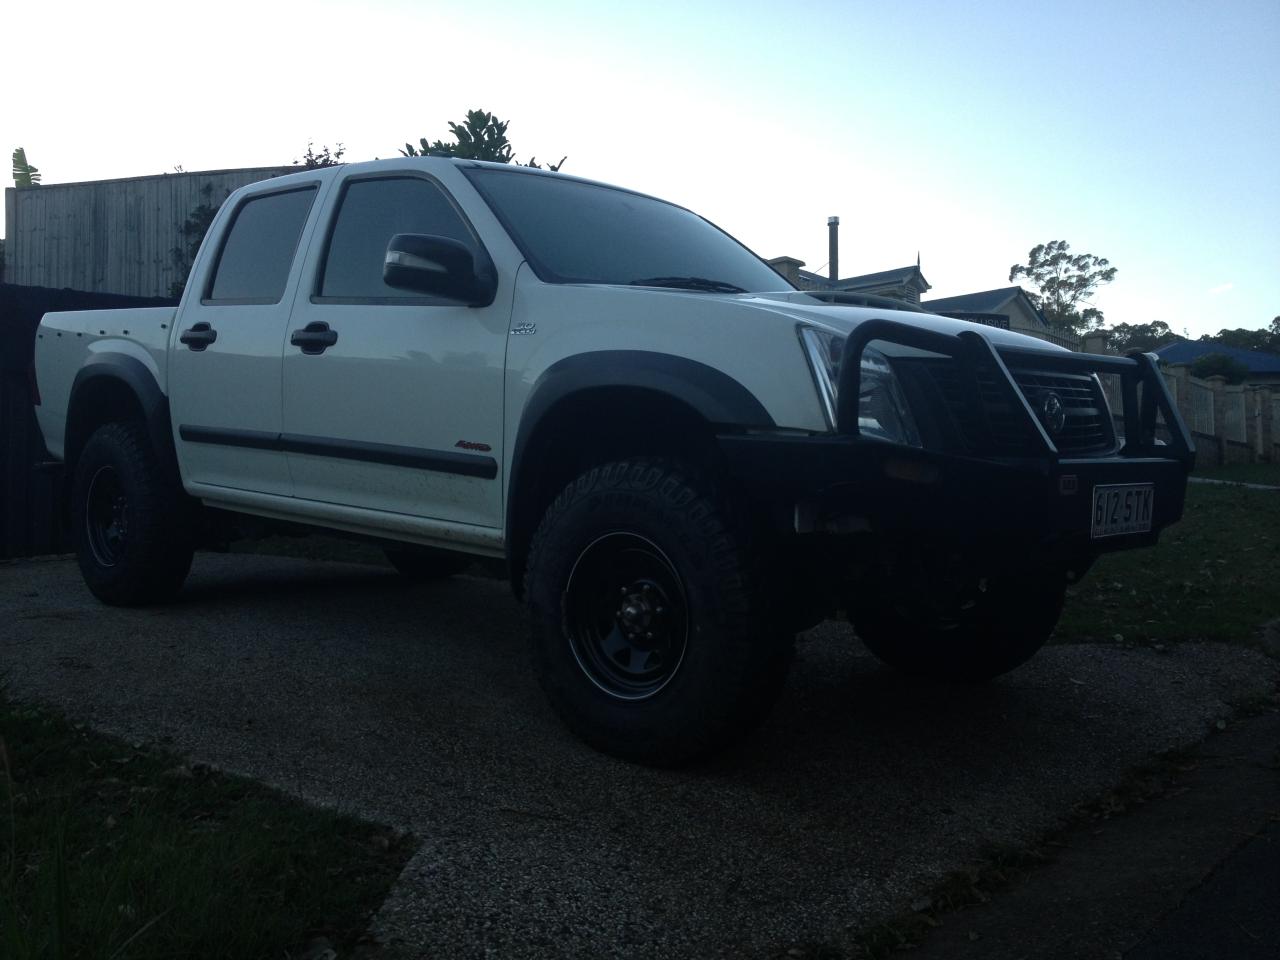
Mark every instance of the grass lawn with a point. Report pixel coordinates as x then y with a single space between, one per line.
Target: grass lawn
1265 473
114 852
1215 575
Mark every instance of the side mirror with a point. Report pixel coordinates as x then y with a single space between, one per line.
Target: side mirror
438 266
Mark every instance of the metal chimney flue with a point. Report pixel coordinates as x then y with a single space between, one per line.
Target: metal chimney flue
833 246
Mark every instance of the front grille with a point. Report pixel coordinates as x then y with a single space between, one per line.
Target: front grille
1085 426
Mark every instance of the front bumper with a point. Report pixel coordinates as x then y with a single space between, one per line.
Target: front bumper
844 483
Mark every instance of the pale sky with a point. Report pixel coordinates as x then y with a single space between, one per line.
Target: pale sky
1147 133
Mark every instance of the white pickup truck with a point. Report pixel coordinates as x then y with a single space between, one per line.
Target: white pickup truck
681 460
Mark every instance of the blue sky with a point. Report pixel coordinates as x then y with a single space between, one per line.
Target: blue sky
1147 133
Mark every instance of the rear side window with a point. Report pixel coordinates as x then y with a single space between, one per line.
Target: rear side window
372 212
255 259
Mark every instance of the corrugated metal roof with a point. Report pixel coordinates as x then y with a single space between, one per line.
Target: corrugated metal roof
1189 351
861 282
984 301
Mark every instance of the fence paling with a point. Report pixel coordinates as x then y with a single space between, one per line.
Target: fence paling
1062 340
1202 403
1234 422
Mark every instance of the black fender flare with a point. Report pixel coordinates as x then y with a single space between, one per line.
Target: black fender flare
717 397
131 372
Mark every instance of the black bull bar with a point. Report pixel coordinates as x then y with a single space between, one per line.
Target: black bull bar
1143 389
1039 497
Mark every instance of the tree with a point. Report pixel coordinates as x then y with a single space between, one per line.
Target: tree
1219 364
193 230
24 174
1139 336
1243 339
312 160
1064 284
482 136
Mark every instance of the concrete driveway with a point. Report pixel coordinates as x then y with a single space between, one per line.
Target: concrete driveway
414 706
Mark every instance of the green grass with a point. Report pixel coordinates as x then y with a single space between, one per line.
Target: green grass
113 852
1265 473
1215 575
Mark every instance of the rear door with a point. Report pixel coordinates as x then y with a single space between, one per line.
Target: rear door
225 359
401 411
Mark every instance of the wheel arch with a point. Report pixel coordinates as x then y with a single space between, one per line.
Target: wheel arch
112 387
597 407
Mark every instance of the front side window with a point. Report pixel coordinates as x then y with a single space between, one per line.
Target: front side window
572 231
371 213
255 259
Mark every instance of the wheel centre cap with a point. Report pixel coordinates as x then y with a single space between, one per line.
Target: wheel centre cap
640 608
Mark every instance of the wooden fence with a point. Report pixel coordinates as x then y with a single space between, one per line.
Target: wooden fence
112 235
1230 423
1052 336
31 516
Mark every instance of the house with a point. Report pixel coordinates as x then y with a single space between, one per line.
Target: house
1007 307
1264 368
904 283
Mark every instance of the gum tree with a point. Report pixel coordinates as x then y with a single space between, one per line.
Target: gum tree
1064 282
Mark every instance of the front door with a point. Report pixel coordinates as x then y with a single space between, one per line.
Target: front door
393 400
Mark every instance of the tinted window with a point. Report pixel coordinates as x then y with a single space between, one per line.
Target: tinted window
575 232
255 259
372 212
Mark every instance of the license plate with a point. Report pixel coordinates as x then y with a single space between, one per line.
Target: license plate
1122 508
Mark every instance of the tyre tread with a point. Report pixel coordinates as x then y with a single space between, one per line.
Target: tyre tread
749 684
159 551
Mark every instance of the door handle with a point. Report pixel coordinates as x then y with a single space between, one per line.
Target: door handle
198 336
314 338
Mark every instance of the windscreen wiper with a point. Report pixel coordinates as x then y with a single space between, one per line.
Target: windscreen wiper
689 283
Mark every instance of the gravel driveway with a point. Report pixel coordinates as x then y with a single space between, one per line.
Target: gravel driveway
414 706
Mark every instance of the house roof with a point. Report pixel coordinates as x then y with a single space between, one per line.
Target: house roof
1189 351
903 275
984 301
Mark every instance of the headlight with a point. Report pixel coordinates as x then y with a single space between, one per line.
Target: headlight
882 408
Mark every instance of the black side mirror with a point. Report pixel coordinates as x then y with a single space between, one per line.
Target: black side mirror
440 267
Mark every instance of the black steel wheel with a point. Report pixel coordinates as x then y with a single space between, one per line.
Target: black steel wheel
970 628
651 634
106 517
131 522
626 616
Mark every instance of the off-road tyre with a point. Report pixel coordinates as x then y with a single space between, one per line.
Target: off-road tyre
645 549
424 564
1000 625
131 522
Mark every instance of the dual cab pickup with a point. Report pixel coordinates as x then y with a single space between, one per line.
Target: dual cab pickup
680 460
